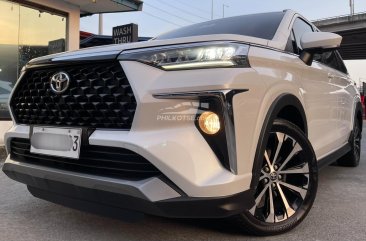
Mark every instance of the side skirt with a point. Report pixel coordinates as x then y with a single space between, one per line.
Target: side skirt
334 156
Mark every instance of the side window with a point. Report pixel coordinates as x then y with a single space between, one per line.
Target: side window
332 59
329 58
342 66
318 58
299 28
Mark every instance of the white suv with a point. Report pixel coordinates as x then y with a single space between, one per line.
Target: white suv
228 118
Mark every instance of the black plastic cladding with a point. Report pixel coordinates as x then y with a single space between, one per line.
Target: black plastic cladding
99 96
217 142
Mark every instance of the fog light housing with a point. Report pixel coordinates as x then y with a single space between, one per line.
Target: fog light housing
209 122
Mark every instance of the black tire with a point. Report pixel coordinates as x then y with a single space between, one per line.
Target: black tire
259 220
352 158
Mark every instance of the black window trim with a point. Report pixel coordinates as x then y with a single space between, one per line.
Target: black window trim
341 62
292 30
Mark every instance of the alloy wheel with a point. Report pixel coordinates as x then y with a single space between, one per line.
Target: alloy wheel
284 180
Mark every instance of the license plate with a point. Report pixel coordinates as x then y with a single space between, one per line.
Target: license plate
61 142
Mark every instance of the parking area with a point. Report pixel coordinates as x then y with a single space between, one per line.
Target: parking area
338 213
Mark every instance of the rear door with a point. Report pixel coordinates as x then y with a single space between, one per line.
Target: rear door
344 90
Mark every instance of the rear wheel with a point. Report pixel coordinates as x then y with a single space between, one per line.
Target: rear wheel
352 158
287 185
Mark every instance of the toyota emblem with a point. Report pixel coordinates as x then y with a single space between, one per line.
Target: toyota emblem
60 82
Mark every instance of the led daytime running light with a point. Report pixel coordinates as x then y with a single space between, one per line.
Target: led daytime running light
219 55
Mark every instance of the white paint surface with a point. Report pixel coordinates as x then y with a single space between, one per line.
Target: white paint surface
4 126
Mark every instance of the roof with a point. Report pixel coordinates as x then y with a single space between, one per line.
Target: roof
88 7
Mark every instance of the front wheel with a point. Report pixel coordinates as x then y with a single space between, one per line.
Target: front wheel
287 185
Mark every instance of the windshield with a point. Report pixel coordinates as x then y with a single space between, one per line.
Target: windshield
262 25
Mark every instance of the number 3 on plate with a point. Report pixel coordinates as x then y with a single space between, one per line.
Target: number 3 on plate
75 145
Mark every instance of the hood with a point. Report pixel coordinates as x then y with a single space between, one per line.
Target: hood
112 51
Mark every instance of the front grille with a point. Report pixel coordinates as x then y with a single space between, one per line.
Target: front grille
99 96
95 160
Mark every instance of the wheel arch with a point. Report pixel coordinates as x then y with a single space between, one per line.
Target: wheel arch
359 114
285 106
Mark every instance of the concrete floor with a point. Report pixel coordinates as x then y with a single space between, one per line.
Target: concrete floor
339 213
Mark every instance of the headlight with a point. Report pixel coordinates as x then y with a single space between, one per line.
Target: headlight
192 56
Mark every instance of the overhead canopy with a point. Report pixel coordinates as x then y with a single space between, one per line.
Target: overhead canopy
352 29
88 7
91 40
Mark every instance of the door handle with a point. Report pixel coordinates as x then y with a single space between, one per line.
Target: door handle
330 77
345 78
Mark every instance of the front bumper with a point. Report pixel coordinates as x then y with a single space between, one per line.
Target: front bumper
87 192
176 148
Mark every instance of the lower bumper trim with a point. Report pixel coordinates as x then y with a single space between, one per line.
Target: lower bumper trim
88 199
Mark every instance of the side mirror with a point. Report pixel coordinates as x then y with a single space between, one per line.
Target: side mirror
318 42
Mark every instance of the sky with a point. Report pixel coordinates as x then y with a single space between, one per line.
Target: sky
159 16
